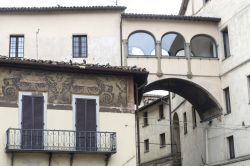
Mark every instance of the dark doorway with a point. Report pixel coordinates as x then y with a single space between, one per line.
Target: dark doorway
176 134
32 122
86 138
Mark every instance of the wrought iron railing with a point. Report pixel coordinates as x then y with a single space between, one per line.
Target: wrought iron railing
33 140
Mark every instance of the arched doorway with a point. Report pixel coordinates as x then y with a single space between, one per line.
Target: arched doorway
176 134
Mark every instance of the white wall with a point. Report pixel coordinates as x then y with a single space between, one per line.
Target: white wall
55 35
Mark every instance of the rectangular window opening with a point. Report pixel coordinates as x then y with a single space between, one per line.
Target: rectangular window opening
162 140
16 46
145 118
194 118
146 145
227 100
185 122
226 42
161 112
80 46
231 147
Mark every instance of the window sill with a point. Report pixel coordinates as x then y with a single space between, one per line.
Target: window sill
204 58
142 56
79 57
227 114
225 58
194 127
146 151
161 118
162 146
145 125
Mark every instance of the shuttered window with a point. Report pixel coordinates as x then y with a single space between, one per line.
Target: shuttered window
32 122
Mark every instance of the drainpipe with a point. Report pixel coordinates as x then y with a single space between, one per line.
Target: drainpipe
107 159
137 127
206 145
137 123
171 124
121 40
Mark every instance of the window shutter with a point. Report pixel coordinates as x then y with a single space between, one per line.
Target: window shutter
81 114
38 112
27 114
91 115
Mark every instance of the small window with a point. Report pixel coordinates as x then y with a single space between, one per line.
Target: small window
79 46
248 82
146 145
194 118
205 1
16 46
162 140
145 118
185 122
231 147
227 100
226 42
161 111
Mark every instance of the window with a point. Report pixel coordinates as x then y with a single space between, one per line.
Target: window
171 43
194 118
79 46
161 112
146 145
145 118
16 48
231 147
227 100
162 140
205 1
203 46
248 82
141 43
226 42
185 122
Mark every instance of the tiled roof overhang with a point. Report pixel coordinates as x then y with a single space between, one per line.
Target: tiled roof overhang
60 9
169 17
183 7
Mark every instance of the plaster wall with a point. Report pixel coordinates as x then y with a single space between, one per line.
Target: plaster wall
152 132
54 39
121 123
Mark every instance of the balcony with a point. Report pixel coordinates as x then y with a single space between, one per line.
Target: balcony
60 141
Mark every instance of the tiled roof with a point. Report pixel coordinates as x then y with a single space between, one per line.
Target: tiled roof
60 9
70 66
170 17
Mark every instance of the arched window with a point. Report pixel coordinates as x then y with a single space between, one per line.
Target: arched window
141 43
171 43
203 46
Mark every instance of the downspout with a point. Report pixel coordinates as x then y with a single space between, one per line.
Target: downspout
121 40
137 123
171 124
206 145
137 127
107 159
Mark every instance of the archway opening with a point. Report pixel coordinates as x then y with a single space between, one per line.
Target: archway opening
202 101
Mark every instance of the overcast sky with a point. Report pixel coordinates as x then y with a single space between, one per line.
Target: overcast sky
133 6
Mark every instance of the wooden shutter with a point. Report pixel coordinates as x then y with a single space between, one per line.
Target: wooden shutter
27 113
91 115
38 102
80 114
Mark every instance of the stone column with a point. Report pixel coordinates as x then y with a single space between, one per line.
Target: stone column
188 55
158 55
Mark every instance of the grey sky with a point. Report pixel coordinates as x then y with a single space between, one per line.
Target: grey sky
133 6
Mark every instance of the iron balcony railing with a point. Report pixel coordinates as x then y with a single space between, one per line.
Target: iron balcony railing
35 140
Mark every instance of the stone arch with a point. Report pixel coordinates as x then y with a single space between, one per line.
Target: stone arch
141 42
171 42
205 104
203 45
